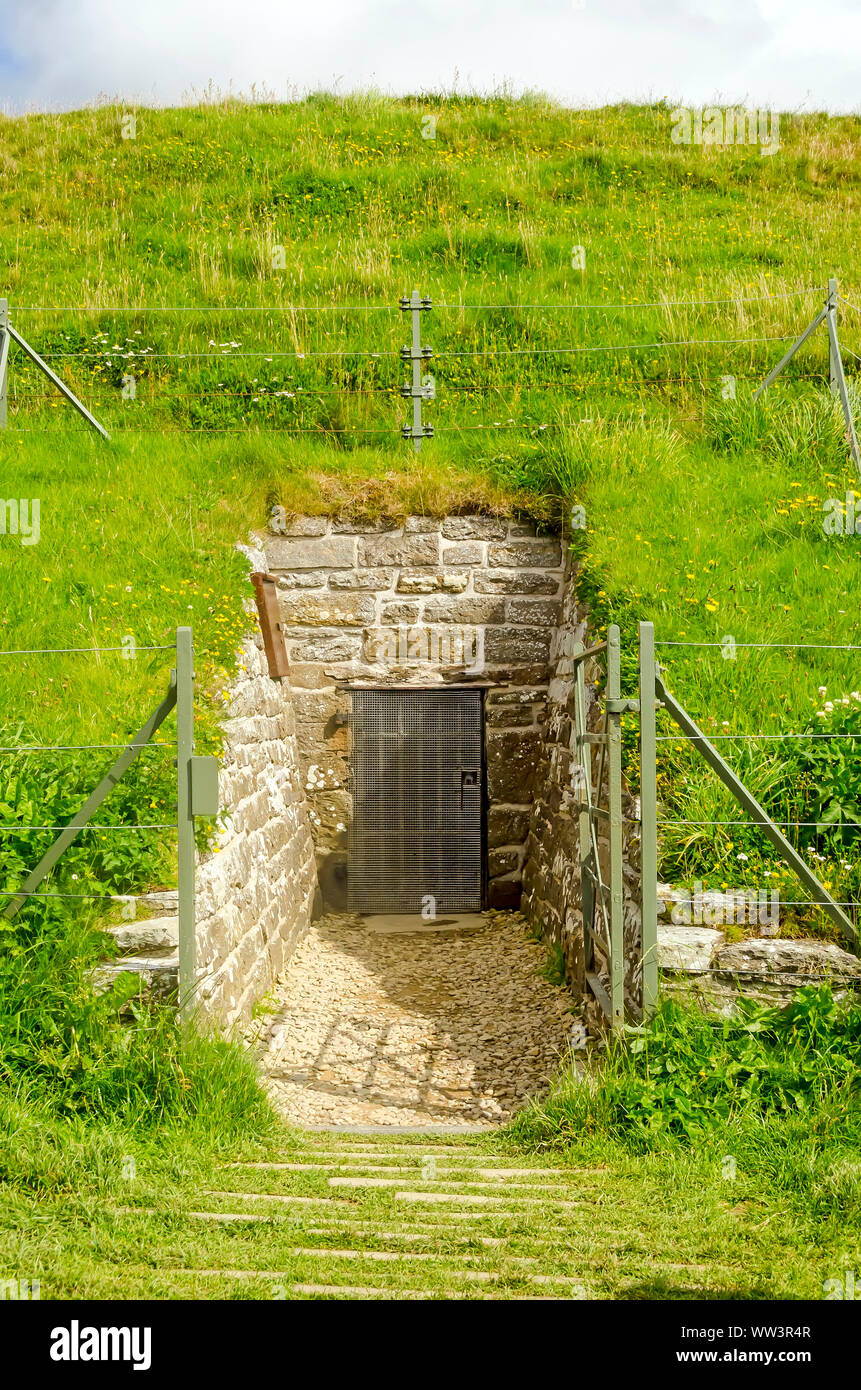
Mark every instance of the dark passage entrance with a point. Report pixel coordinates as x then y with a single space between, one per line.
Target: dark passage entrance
417 801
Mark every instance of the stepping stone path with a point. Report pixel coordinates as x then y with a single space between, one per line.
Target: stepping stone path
413 1028
457 1219
398 1054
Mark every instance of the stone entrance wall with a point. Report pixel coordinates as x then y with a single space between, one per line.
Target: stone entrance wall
256 888
429 602
551 877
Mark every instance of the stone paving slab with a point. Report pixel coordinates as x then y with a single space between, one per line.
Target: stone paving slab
436 1032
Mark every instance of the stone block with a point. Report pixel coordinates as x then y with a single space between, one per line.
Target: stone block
504 894
787 957
507 825
512 759
477 611
534 673
430 582
302 579
464 553
400 613
308 676
525 695
327 646
687 948
310 552
328 610
364 528
510 716
478 528
510 645
503 861
526 582
540 613
537 554
282 525
424 647
362 579
397 549
319 707
421 525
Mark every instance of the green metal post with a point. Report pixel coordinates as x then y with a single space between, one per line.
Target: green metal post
648 819
584 796
787 356
836 376
52 376
4 360
750 804
185 819
94 801
614 769
833 350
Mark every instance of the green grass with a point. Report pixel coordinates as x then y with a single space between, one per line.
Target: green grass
703 515
100 1214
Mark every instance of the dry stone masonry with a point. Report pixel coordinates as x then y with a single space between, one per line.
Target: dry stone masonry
255 890
551 880
468 599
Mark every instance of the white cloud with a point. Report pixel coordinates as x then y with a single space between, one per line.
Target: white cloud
787 53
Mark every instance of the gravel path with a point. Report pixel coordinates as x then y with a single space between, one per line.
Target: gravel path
454 1027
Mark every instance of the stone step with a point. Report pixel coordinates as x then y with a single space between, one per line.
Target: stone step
155 936
343 1220
449 1182
464 1151
397 1169
159 974
366 1291
477 1276
385 1130
288 1198
323 1252
483 1198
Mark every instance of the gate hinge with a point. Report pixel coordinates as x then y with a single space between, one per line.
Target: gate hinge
623 706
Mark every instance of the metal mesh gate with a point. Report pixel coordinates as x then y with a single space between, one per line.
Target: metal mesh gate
417 801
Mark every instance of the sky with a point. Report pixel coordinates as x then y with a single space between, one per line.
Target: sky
793 55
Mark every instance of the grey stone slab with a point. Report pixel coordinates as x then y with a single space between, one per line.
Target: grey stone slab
463 553
687 948
513 582
362 579
533 612
398 549
328 610
528 554
480 528
430 581
282 525
402 924
787 956
310 552
364 528
511 645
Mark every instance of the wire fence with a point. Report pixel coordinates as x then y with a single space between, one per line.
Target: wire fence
172 372
832 838
76 825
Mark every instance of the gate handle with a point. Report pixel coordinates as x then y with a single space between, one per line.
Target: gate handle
469 780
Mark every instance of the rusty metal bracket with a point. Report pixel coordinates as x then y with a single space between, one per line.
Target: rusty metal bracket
266 598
